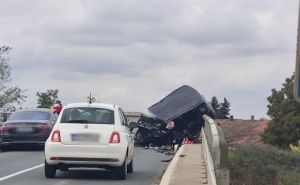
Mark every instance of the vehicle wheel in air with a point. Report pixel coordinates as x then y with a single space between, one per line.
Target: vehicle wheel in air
50 170
121 171
130 166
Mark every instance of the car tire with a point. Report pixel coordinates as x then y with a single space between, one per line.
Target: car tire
50 170
121 171
130 166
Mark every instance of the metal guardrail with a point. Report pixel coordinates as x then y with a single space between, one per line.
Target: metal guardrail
216 152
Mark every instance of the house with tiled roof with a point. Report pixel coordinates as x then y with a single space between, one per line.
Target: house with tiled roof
243 132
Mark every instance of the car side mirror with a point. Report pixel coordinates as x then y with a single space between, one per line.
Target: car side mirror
133 125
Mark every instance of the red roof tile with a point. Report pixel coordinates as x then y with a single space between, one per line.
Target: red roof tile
242 132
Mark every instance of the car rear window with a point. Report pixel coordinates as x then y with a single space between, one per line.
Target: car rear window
89 115
30 115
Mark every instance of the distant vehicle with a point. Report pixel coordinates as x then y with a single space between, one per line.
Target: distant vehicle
31 126
4 116
90 135
5 112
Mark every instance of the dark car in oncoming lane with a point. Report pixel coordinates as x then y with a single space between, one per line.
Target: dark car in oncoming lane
31 126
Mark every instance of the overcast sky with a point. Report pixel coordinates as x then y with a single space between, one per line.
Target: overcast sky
135 52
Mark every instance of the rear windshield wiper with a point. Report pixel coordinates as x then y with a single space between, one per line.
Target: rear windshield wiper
78 121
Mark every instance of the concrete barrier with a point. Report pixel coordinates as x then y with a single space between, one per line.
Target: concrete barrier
216 151
198 164
170 172
188 167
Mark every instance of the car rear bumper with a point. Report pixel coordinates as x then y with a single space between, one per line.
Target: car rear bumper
26 139
22 142
77 155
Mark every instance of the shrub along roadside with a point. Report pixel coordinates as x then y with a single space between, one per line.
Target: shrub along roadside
263 165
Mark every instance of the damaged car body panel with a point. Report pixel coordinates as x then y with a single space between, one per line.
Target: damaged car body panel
180 101
150 131
185 107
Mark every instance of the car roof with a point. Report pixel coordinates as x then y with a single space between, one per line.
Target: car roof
36 109
177 103
95 105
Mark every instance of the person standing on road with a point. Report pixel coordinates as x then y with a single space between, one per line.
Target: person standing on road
57 106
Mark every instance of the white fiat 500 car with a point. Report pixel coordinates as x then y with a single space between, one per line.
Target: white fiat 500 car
90 135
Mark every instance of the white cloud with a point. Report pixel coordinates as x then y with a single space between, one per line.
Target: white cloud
135 52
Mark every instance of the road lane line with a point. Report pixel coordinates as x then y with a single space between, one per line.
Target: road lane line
63 182
20 172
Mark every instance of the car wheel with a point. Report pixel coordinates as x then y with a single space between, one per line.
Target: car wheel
121 171
130 166
50 170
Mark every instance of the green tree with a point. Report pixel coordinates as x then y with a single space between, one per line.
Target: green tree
47 99
224 109
8 94
215 103
284 128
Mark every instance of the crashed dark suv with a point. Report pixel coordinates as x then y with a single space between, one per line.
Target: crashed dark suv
184 107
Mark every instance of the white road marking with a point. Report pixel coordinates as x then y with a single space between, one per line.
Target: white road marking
20 172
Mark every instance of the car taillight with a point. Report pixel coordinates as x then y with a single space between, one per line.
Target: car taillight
5 128
115 137
44 127
55 136
55 158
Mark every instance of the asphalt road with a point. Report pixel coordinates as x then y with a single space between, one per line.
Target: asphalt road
26 168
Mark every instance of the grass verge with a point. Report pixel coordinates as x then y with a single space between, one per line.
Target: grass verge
263 165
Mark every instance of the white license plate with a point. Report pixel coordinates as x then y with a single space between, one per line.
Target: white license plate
24 129
85 137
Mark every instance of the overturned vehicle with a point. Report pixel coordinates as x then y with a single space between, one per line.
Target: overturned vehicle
175 117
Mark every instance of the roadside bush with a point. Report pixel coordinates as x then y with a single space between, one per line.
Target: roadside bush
295 148
263 165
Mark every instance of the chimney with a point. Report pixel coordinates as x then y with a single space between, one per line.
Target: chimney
252 118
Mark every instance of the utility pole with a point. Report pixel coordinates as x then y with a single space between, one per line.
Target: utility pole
90 98
297 77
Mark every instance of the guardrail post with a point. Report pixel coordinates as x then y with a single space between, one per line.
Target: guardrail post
218 150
